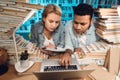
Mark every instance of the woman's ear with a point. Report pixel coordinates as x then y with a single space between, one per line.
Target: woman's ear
43 19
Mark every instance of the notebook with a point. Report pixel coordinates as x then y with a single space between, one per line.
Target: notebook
51 70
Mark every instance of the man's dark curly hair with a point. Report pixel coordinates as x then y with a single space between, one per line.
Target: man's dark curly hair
84 9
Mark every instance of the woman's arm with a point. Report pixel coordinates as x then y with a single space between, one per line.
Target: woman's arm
33 34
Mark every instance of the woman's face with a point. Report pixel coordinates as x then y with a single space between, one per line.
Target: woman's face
52 21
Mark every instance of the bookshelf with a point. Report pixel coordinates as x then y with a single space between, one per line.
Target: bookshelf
67 10
14 15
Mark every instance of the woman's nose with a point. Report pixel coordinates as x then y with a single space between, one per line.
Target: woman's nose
54 24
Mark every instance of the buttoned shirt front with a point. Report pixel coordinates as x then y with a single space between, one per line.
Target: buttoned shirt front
71 40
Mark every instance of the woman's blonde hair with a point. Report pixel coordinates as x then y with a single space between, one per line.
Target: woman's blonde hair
51 8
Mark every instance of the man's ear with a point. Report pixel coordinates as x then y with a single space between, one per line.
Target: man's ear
92 20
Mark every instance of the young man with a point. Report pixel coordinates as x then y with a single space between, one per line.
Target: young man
79 32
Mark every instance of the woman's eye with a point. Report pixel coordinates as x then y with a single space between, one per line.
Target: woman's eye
57 22
51 21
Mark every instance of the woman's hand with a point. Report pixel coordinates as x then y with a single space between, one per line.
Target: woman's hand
51 46
42 50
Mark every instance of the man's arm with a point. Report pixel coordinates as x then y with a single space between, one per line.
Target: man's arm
66 58
68 36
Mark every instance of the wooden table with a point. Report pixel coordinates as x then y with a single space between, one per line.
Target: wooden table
13 75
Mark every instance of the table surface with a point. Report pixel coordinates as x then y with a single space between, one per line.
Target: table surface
11 74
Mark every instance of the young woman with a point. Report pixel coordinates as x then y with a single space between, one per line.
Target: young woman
49 32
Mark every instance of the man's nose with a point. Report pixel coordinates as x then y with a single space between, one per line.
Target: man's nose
79 27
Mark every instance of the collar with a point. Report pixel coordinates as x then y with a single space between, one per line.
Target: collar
91 29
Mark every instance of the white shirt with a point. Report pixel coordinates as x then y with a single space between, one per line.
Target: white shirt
48 41
71 42
81 40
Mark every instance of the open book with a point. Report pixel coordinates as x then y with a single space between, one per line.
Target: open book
58 49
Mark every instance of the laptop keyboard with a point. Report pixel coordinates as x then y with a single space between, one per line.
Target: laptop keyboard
59 68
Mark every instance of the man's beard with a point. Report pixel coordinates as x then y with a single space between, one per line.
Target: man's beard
80 32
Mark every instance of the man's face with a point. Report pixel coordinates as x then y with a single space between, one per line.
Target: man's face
81 23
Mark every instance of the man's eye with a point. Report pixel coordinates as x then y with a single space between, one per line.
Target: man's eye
82 24
76 22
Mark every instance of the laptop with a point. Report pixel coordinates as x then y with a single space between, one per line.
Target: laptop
51 70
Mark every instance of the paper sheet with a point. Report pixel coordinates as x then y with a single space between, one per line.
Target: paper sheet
56 50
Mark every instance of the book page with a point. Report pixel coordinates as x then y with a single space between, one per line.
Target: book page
59 49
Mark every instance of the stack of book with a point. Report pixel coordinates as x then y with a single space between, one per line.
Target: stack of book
34 52
37 55
108 24
100 73
96 47
12 16
112 61
94 53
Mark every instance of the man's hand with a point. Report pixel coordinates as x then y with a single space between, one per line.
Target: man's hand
78 50
65 60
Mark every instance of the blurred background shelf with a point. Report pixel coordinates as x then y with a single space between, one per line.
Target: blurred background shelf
66 6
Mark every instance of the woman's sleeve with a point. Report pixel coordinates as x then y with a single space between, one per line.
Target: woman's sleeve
33 34
62 37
